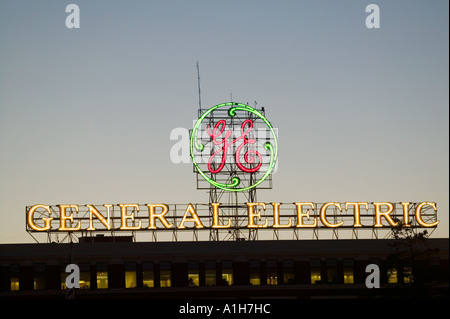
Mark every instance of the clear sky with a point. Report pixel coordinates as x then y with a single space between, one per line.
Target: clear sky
86 114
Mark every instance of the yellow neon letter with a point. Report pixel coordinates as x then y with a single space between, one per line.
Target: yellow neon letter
405 214
276 217
103 220
216 217
64 218
386 214
419 214
323 216
357 211
46 219
252 215
194 218
300 215
124 217
160 216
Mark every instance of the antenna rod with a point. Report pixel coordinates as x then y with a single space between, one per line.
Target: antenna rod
199 95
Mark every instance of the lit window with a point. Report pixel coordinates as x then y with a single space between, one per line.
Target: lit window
348 276
85 276
316 275
130 279
272 272
14 283
348 271
392 276
130 275
102 276
227 273
407 275
255 278
102 280
165 278
193 278
14 271
272 279
193 274
227 277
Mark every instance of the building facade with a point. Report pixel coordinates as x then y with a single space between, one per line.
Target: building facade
119 268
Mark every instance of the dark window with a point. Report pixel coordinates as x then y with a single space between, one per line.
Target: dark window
288 272
39 276
332 273
210 272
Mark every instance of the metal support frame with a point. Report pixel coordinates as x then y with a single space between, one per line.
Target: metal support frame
232 202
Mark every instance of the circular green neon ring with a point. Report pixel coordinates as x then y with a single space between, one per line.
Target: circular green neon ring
235 180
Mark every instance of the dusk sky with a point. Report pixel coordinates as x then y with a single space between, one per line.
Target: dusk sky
86 114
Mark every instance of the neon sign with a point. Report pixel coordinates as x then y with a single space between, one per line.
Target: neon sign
224 149
227 144
260 215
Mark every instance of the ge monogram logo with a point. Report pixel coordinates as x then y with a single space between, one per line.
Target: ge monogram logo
238 144
227 144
